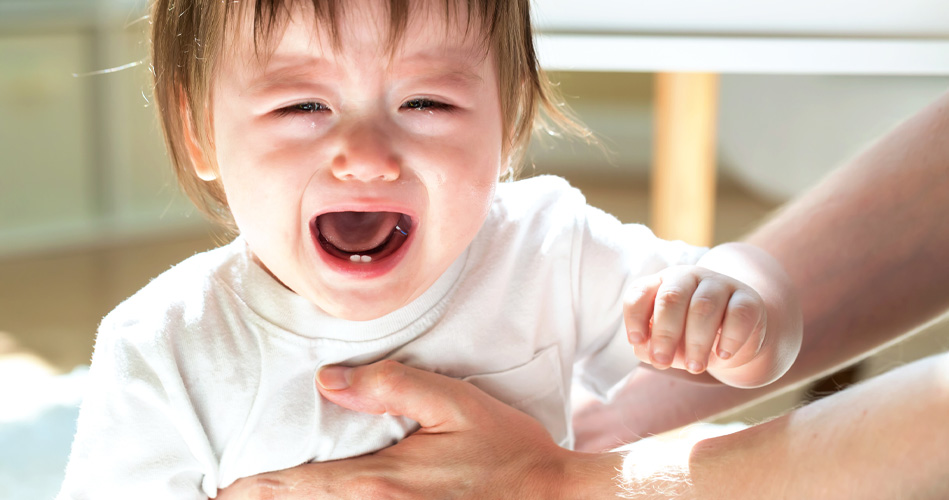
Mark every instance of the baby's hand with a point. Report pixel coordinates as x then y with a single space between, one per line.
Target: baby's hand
679 315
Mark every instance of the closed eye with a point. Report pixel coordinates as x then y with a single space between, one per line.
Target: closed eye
302 108
427 105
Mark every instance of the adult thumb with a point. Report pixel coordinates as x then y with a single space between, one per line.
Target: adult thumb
438 403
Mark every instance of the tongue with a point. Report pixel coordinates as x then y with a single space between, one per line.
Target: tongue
357 232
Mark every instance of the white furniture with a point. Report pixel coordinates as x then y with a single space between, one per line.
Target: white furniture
688 42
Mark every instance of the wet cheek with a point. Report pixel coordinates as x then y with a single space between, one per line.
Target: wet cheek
481 178
470 203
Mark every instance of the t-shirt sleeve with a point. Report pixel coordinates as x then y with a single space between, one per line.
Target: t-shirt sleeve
133 440
608 257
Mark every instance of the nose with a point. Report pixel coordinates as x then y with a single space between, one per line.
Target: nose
366 154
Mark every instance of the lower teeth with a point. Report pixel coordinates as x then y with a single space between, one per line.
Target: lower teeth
360 258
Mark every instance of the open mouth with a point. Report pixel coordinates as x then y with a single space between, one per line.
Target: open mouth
361 237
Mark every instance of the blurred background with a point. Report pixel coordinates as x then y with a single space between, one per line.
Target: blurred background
89 208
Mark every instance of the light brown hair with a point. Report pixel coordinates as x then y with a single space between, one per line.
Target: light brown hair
187 38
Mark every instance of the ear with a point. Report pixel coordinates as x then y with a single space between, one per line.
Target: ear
202 169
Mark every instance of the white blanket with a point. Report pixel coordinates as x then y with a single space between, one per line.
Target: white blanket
37 423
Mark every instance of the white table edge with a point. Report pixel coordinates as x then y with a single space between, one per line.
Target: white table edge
756 55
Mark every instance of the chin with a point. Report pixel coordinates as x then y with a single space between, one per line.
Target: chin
376 311
362 302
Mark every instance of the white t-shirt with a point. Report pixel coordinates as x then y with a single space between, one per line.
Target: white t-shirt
206 375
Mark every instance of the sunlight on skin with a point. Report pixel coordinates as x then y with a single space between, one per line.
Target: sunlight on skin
659 454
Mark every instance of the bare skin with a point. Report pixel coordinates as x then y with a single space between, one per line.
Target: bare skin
734 313
884 438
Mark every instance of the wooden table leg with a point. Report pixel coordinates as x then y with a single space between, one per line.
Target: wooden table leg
683 177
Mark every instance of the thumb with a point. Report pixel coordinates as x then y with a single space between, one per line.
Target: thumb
435 401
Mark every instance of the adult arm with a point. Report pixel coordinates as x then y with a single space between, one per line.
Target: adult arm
883 438
866 249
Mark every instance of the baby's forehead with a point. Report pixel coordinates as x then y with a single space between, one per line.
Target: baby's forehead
356 30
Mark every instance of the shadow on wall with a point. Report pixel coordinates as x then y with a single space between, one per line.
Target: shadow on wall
779 135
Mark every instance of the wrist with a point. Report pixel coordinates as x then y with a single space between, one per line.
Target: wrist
657 468
588 476
783 330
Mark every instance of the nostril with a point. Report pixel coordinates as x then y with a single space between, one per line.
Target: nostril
366 173
365 167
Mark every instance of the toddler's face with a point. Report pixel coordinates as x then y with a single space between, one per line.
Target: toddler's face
355 177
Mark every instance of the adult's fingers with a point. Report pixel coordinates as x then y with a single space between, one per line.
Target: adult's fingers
435 401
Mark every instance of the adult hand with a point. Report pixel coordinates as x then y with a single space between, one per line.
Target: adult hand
469 446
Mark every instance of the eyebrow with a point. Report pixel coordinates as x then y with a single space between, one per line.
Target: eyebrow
450 77
285 70
461 68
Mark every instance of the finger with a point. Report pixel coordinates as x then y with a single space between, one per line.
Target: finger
705 314
744 315
668 323
434 401
642 351
365 476
638 308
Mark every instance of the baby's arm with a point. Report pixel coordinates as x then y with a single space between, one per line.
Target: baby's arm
736 300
